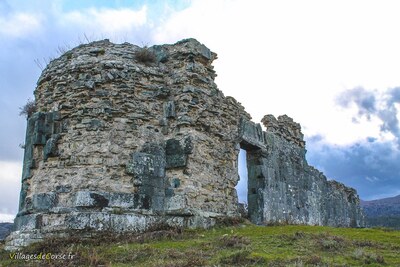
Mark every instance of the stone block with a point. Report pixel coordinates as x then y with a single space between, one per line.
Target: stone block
39 130
176 202
176 153
121 200
160 53
161 92
53 222
44 201
177 221
26 222
142 201
251 135
90 199
94 125
128 222
23 194
78 221
63 188
100 221
176 182
163 122
145 165
176 160
169 109
158 202
169 192
50 149
185 120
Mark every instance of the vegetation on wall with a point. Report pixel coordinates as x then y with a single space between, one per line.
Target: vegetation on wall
145 55
28 109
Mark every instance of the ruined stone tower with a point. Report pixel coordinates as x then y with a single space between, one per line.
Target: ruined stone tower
122 143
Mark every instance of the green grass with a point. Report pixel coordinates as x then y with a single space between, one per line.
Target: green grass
241 245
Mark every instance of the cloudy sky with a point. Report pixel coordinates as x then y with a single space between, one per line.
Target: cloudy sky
334 66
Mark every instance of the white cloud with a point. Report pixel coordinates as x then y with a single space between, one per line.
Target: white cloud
372 179
10 185
19 24
10 172
107 21
6 217
294 57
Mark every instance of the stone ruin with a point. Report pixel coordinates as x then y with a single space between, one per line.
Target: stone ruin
126 138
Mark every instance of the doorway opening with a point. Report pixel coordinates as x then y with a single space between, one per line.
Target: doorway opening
241 187
251 182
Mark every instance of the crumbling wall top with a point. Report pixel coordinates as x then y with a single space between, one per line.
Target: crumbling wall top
285 127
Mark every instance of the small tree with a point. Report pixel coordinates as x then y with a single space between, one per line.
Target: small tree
28 109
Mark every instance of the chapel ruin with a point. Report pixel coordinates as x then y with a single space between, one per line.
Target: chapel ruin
125 138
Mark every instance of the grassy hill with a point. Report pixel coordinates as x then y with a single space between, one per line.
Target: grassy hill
5 229
383 212
240 245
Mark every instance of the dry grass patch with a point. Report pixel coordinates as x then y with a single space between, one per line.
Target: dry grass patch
145 55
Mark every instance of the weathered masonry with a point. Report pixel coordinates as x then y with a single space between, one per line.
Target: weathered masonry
123 143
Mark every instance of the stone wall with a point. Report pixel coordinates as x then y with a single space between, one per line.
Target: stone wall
120 143
283 188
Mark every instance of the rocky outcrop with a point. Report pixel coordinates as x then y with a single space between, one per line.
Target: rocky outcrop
124 142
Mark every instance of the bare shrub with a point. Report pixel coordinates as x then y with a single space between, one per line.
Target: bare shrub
242 257
366 243
380 259
368 257
137 254
229 221
233 241
145 55
358 254
28 109
93 258
331 243
313 260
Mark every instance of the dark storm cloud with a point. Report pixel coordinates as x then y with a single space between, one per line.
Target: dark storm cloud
370 166
365 101
373 104
388 114
394 95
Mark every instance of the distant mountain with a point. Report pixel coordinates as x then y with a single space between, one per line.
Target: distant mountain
382 207
383 212
5 229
